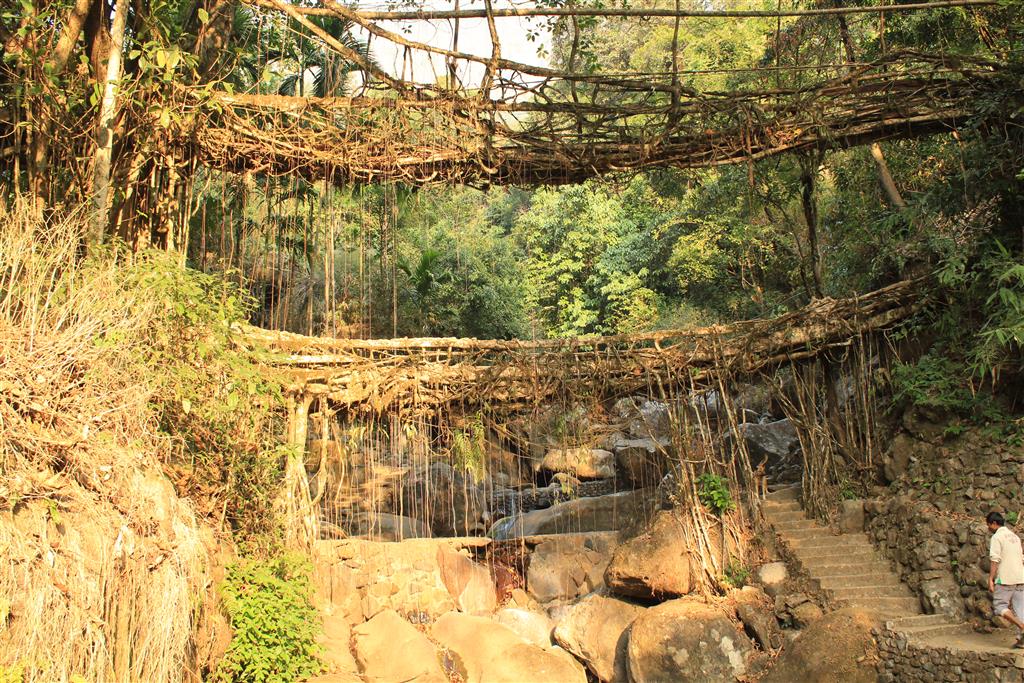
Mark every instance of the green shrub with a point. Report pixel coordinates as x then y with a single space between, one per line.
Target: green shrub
932 382
737 574
210 395
274 624
940 383
847 490
713 492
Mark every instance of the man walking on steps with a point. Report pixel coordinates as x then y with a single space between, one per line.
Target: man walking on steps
1006 576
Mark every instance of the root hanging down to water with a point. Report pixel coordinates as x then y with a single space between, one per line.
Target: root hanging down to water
385 412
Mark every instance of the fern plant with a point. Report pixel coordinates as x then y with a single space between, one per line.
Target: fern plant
1003 332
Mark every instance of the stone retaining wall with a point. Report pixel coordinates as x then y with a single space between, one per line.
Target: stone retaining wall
904 661
933 526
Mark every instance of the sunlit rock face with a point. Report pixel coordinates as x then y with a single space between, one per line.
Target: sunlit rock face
686 640
655 564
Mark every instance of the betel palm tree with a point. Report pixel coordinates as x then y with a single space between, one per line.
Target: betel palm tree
308 57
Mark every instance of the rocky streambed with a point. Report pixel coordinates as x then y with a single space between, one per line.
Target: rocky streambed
574 607
567 563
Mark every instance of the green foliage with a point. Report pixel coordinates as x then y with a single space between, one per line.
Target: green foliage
13 673
209 393
273 622
713 493
468 449
847 490
1002 334
736 574
939 383
659 250
934 381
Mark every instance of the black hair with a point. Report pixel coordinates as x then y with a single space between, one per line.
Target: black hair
995 517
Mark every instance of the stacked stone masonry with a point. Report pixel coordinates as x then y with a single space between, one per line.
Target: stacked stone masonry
932 525
903 660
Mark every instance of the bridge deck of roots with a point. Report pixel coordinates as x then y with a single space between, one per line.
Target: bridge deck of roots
423 376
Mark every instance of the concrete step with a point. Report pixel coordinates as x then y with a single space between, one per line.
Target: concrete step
918 620
872 591
784 494
948 629
771 508
868 578
838 571
776 517
831 559
829 544
802 533
791 525
885 606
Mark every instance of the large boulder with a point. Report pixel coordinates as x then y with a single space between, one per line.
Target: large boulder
940 593
840 647
686 640
707 406
583 463
596 630
566 566
377 641
643 462
593 513
797 609
756 610
487 652
505 467
335 641
551 427
470 584
772 576
343 677
448 500
383 526
851 516
651 420
903 450
776 444
653 565
530 625
361 578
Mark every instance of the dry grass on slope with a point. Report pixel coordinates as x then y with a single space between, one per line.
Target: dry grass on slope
102 565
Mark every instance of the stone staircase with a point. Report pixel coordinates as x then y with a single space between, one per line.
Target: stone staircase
847 567
913 645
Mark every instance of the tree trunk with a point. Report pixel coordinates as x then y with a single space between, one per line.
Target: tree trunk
885 178
105 134
40 147
808 167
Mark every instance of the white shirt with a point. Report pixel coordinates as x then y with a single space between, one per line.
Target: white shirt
1005 549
